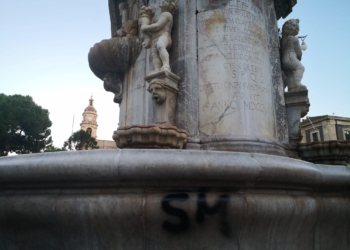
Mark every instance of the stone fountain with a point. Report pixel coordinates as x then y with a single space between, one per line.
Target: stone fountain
208 142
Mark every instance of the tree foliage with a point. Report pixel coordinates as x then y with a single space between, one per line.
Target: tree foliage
52 148
80 140
24 125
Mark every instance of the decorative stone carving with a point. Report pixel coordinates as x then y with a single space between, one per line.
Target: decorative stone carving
163 86
146 15
150 136
112 83
159 29
128 29
110 58
291 55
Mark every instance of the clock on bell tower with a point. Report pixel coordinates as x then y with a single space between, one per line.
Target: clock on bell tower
89 122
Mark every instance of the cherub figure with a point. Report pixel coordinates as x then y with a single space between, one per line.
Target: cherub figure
291 55
160 30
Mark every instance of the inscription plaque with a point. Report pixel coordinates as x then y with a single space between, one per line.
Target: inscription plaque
235 85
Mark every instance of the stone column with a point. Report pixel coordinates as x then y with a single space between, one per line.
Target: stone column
183 62
238 96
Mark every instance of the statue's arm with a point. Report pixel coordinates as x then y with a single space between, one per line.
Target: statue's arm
162 22
297 48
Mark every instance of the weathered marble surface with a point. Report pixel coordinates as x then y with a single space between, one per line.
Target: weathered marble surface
240 84
235 96
160 199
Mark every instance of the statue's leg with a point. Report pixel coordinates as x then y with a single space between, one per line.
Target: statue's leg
295 76
163 53
289 79
298 75
157 63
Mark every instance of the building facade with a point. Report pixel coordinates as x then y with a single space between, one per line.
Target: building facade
89 124
325 128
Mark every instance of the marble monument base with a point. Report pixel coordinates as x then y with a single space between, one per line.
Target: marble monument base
150 136
140 199
247 144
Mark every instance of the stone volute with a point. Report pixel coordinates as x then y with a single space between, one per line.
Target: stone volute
111 58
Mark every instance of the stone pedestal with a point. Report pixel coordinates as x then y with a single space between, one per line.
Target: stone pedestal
165 109
297 106
163 86
150 136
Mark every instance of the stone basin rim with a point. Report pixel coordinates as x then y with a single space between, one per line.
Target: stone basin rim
130 166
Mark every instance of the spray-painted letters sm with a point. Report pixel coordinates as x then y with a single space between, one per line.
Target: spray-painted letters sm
203 210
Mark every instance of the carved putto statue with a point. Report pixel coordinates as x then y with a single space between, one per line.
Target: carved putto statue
159 29
291 55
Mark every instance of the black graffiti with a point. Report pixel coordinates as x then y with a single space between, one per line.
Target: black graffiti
219 207
184 219
203 210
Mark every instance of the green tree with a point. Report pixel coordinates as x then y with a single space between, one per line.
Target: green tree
80 140
52 148
24 125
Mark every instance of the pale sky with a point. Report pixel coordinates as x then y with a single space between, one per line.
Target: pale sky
44 46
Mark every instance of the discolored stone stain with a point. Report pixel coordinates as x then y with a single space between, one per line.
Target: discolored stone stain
262 36
216 19
258 4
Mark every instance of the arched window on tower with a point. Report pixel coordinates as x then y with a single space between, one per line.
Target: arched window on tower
89 130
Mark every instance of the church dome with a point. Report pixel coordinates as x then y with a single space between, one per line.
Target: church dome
91 106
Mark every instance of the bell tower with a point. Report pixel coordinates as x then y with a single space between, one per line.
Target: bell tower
89 122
